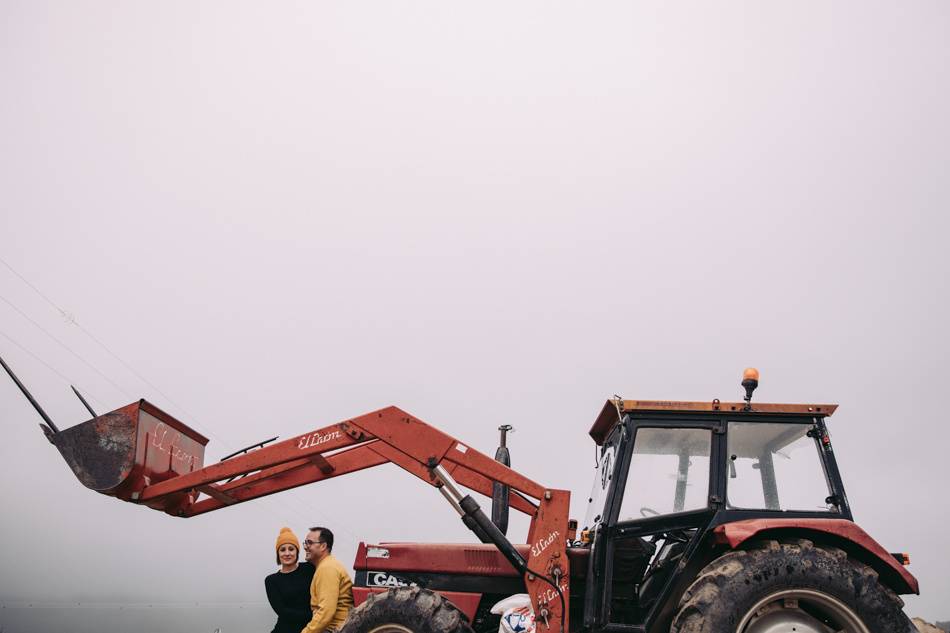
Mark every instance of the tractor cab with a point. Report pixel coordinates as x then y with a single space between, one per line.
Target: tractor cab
670 473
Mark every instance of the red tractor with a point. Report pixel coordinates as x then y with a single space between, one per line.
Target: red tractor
704 517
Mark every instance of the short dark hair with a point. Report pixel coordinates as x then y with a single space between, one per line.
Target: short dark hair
326 536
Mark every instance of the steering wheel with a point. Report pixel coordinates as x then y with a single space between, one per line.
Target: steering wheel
648 512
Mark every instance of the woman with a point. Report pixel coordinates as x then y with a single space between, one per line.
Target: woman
288 589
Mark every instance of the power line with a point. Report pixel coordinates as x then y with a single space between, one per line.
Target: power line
71 319
66 347
35 289
51 368
297 508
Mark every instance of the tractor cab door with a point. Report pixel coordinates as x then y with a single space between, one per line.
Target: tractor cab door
659 498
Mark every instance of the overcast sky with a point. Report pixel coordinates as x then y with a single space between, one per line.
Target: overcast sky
285 214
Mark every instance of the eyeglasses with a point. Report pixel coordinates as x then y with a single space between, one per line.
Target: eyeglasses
308 543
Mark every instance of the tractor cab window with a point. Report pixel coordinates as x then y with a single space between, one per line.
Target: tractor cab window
603 475
775 466
669 473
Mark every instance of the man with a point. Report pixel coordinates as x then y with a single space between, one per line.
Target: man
331 590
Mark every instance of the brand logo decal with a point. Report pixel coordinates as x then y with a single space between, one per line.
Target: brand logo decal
544 543
549 595
315 439
606 466
384 579
160 440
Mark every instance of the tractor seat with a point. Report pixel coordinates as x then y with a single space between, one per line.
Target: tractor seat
630 560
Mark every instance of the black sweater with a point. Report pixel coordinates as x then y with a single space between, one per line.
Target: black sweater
289 597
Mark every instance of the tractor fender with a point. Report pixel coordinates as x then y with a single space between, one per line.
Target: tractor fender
839 532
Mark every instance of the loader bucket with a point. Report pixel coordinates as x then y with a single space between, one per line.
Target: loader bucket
121 452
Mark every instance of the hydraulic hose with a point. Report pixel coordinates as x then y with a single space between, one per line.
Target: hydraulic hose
488 532
474 512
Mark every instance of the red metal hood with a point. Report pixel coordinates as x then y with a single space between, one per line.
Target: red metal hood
450 558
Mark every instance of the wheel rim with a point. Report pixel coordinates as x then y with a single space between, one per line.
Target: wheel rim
801 611
391 627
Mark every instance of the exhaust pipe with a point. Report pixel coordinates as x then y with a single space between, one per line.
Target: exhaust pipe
500 492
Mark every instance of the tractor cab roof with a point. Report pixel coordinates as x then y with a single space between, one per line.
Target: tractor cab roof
615 408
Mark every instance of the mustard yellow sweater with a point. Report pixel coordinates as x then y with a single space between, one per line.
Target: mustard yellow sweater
331 596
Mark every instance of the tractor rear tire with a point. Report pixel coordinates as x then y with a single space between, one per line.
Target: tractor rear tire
789 586
406 610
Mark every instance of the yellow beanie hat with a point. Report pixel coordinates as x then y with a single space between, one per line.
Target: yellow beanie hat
287 537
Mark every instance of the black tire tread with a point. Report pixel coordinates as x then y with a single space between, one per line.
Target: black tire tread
722 592
420 610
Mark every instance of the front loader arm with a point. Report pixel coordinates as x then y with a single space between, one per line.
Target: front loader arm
389 435
143 455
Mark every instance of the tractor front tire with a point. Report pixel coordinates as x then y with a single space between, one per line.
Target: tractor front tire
789 586
406 610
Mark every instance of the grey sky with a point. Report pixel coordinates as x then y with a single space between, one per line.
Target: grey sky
286 214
